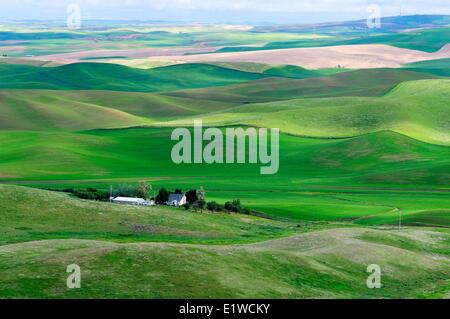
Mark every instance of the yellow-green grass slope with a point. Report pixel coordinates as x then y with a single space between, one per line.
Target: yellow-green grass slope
48 110
418 109
105 76
366 82
375 159
107 242
29 214
371 178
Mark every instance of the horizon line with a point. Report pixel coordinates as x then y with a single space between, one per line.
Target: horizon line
210 23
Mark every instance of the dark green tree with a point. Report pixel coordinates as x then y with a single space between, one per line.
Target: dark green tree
237 206
213 206
229 206
201 204
234 206
124 190
191 196
163 196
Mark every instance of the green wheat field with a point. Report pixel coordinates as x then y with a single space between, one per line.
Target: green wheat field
360 147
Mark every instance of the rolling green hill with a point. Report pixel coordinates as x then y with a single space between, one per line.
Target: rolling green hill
358 150
425 39
49 110
104 221
428 40
131 153
296 72
43 232
287 71
12 70
439 67
372 82
314 265
103 76
418 109
311 183
89 109
19 61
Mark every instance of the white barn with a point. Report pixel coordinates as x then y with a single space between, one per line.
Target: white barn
132 201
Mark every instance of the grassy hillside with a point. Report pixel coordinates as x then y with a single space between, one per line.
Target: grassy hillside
72 109
431 64
39 110
358 150
314 263
288 71
439 67
417 109
319 179
38 215
11 70
56 39
296 72
429 40
374 82
426 39
19 61
49 110
103 76
369 161
146 152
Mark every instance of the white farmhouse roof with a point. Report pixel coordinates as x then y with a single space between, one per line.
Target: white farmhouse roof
176 198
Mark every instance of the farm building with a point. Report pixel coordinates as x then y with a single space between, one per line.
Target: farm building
132 201
176 200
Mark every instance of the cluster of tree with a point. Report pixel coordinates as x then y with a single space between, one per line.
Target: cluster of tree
143 190
229 207
163 196
89 193
198 205
236 207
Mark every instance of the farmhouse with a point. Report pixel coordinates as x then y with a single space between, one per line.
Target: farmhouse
132 201
176 200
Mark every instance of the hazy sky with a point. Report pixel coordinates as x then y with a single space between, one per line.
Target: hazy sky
279 11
